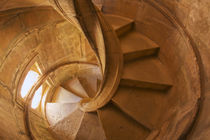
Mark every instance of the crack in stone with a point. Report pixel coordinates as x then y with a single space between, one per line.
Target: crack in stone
9 90
6 87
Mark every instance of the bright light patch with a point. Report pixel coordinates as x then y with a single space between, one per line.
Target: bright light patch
44 97
31 78
37 98
37 66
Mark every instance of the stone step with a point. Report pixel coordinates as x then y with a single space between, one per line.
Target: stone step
90 85
119 126
90 128
67 128
145 106
64 96
38 123
74 86
58 111
135 45
90 77
120 24
146 73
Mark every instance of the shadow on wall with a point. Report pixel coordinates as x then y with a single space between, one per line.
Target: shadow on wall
176 51
28 34
194 17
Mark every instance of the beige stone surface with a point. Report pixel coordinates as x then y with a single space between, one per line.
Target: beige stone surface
118 126
67 128
157 26
32 34
164 90
194 16
90 128
143 105
149 71
12 4
39 126
56 112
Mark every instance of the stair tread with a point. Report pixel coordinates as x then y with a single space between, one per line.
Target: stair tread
65 96
90 128
118 126
41 125
121 25
89 77
145 106
90 85
117 21
135 41
69 126
74 86
148 70
58 111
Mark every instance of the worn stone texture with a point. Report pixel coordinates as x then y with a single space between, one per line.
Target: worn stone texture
39 126
175 52
194 16
10 4
67 128
39 34
90 128
180 28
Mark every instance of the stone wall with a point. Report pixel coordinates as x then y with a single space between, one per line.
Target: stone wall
32 34
194 17
192 23
10 4
176 51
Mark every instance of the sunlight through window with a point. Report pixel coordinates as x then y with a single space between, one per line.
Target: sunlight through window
37 98
31 78
44 97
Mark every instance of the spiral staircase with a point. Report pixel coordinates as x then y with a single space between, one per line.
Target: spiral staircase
124 92
134 112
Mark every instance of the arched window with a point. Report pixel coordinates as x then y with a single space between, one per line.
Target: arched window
31 78
40 96
37 98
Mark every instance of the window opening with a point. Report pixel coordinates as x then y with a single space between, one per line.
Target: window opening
40 96
31 78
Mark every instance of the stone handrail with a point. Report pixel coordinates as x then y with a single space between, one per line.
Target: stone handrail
103 41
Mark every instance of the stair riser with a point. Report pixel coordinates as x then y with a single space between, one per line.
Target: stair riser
148 127
124 29
119 126
139 54
146 85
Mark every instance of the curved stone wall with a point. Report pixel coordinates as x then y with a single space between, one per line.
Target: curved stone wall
38 35
176 51
194 17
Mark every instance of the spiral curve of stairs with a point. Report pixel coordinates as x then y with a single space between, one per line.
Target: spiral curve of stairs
125 81
134 112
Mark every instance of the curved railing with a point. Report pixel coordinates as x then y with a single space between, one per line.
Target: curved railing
103 41
30 118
